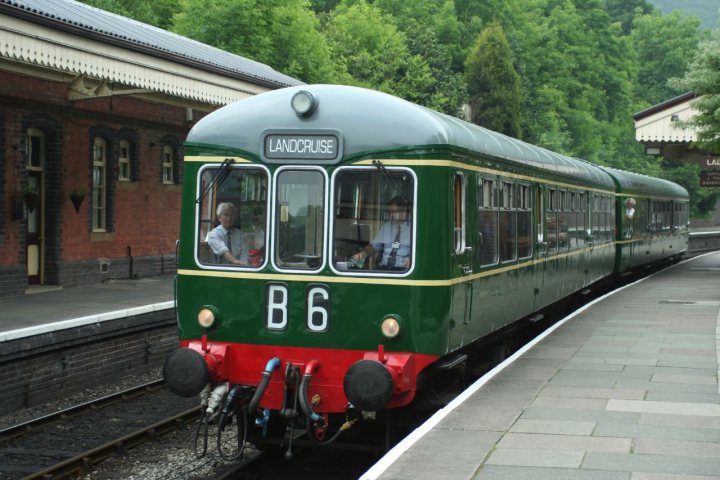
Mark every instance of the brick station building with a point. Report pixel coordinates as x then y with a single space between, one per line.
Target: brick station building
94 108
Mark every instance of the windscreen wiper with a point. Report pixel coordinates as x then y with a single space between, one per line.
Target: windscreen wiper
220 175
398 188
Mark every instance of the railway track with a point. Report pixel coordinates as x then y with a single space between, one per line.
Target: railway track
70 442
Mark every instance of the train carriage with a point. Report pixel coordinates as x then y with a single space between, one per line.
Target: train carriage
371 241
653 222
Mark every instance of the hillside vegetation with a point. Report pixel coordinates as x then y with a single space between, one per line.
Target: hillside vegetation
563 74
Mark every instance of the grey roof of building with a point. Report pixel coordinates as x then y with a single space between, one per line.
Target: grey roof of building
104 26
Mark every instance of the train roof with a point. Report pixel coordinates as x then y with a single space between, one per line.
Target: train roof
638 184
372 121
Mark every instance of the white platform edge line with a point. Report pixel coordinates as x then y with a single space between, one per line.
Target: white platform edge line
80 321
394 453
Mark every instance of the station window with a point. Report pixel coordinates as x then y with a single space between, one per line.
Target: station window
168 161
299 218
124 161
35 149
488 221
232 216
373 220
99 197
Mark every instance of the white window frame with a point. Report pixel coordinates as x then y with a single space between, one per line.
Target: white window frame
168 165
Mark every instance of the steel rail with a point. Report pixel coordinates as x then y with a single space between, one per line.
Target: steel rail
20 429
81 464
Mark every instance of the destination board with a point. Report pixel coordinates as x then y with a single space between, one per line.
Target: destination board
317 146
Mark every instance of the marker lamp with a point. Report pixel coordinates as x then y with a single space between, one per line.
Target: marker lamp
304 103
390 327
206 317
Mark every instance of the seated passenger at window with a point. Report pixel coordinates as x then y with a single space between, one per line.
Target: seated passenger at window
393 239
226 241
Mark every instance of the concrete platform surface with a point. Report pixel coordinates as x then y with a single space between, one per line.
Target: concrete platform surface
51 310
626 389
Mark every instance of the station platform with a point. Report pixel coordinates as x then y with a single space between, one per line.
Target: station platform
57 342
625 388
48 310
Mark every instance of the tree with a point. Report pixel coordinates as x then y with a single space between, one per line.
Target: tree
282 34
625 12
374 53
493 84
158 12
664 44
433 31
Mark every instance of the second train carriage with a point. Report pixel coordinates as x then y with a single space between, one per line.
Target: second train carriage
652 219
497 230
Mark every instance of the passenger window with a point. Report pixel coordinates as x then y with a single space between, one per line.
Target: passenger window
551 221
524 222
459 220
488 221
507 230
581 216
232 216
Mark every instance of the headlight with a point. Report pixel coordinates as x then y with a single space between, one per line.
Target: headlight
390 327
206 317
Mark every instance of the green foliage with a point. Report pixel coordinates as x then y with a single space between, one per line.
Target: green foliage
370 48
567 74
625 12
664 44
493 84
282 34
158 12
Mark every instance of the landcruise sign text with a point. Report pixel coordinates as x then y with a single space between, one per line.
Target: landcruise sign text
292 146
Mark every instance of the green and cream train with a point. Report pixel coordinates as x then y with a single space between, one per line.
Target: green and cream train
288 304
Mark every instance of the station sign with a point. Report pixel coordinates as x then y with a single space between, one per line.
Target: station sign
302 146
710 178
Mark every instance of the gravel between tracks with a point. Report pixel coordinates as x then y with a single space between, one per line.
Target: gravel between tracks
169 457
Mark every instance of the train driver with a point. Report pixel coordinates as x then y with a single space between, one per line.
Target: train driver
393 239
226 241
